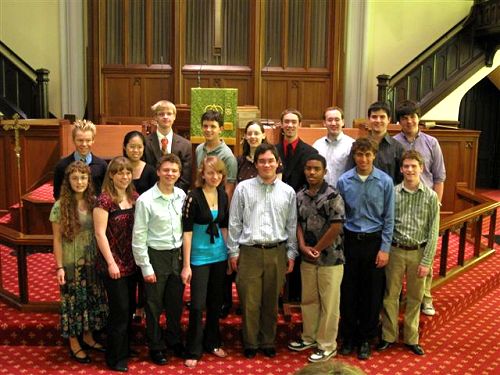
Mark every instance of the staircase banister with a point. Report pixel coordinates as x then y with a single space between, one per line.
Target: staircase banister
427 52
11 236
455 220
17 61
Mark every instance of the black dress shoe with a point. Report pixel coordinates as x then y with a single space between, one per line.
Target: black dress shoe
157 357
250 353
347 347
269 352
132 353
85 359
120 366
364 351
224 311
383 345
417 349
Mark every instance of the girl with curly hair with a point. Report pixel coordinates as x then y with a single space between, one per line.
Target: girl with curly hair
83 302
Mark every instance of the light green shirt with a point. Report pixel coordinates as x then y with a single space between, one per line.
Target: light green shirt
417 219
157 224
224 153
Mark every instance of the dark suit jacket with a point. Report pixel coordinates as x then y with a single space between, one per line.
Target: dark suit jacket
180 147
97 167
293 168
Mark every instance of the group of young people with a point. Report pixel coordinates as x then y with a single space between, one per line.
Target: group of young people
129 235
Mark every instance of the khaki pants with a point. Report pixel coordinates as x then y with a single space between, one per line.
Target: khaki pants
401 263
261 275
321 304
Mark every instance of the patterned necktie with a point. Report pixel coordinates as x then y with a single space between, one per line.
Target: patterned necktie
164 143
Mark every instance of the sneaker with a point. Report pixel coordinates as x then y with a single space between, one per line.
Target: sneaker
300 345
428 309
321 355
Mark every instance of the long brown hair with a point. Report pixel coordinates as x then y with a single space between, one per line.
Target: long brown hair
116 165
70 222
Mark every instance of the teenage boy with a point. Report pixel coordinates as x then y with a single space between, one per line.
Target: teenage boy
389 152
335 146
368 195
320 211
434 173
83 135
212 125
293 153
262 246
413 248
164 141
156 244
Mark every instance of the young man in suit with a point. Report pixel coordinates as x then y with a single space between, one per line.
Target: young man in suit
293 153
164 141
83 134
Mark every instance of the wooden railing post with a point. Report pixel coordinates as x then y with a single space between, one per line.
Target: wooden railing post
383 87
444 252
42 93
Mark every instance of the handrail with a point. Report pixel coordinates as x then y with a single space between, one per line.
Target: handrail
447 62
471 217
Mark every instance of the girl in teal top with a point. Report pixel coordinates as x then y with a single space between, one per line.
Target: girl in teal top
205 219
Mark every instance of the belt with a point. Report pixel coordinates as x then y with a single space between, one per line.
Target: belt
404 247
267 245
363 236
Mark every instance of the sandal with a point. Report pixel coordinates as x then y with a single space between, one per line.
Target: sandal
73 355
191 363
219 352
95 346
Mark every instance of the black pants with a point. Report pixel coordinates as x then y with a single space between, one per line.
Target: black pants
207 284
362 287
121 301
165 294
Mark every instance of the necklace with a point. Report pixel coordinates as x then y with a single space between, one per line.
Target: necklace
211 197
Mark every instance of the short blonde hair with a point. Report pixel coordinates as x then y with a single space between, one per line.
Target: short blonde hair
210 162
83 126
162 105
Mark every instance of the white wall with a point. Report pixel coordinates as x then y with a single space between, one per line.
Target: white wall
393 33
31 29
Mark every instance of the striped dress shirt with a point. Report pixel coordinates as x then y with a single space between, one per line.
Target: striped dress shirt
416 219
262 214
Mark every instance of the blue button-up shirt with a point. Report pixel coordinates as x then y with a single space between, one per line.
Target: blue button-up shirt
369 205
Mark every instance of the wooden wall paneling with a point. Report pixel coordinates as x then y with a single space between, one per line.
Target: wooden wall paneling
314 97
274 98
117 95
440 74
136 96
414 82
154 89
427 76
451 60
244 86
465 50
42 152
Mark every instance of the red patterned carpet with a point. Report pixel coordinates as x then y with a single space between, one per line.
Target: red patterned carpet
462 338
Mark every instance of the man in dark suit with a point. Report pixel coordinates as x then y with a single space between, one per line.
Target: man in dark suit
164 141
83 134
293 153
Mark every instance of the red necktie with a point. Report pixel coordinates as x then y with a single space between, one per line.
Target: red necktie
164 143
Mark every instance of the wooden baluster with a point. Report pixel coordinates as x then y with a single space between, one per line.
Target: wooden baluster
478 233
461 245
444 252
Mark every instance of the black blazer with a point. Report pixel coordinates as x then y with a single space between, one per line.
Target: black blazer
97 167
293 168
180 147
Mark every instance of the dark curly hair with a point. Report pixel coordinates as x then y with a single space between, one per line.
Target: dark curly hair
70 222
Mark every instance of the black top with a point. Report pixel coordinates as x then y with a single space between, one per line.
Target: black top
293 167
196 210
97 168
147 179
